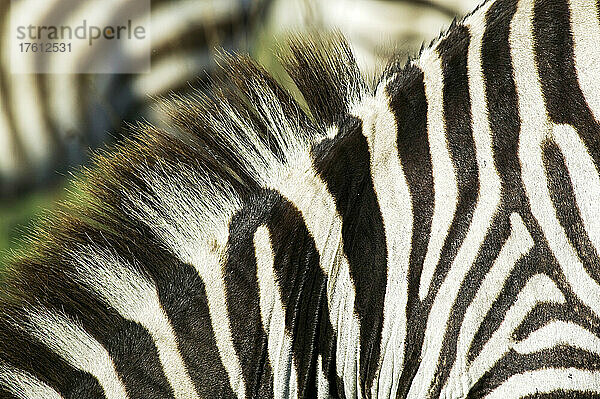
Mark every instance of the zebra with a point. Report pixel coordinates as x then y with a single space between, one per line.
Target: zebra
48 122
377 31
434 236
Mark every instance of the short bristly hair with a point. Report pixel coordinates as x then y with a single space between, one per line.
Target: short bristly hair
231 140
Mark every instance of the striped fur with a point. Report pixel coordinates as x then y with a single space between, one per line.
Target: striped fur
436 237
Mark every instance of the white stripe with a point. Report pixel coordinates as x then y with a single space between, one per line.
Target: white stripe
444 178
197 233
300 184
136 299
488 200
539 288
211 273
29 121
586 36
9 164
23 385
63 88
169 72
518 244
535 128
461 7
559 333
180 17
208 266
285 380
322 382
376 30
393 197
24 104
23 89
78 348
64 99
585 180
547 381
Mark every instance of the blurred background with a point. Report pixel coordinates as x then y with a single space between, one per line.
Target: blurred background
50 123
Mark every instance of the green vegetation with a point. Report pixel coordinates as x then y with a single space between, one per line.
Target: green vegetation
16 216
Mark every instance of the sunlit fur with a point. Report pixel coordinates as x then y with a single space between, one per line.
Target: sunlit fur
436 236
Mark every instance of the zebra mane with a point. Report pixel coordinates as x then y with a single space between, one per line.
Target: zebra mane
231 139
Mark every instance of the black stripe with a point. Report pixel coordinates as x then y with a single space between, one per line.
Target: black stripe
73 149
409 105
498 234
183 297
115 101
83 115
566 105
545 312
57 153
6 395
457 115
501 98
567 211
565 102
344 164
123 107
129 345
18 149
133 10
561 394
209 35
503 115
136 360
513 363
505 123
243 301
534 262
24 353
302 286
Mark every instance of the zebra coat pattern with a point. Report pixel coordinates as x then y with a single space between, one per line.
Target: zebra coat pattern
436 237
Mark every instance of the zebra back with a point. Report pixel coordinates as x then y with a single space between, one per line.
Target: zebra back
433 237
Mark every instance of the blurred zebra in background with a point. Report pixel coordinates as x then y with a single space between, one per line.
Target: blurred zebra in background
48 122
378 31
